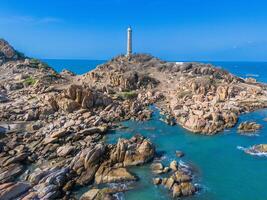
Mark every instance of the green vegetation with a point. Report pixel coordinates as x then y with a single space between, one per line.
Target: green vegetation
128 95
30 81
184 93
20 54
35 63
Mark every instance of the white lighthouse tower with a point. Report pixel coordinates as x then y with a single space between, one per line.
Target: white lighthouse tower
129 41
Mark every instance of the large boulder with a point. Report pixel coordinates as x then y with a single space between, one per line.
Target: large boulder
135 151
108 174
48 182
87 162
10 172
12 191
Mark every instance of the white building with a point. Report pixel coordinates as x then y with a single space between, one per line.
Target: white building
129 41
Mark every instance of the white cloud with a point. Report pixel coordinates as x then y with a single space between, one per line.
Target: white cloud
28 20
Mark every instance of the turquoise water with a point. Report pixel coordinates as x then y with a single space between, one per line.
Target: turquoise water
223 171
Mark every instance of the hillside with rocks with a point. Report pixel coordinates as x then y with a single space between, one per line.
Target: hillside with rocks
199 97
52 125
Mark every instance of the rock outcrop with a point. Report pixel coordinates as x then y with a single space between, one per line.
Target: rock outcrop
248 127
7 52
178 180
87 162
258 150
136 151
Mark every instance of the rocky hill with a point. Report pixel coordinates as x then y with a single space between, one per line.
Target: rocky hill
7 52
53 124
200 97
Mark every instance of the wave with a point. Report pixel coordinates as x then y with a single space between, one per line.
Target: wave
121 186
250 134
185 167
183 164
252 75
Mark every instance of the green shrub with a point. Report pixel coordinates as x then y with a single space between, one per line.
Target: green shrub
30 81
184 93
128 95
35 63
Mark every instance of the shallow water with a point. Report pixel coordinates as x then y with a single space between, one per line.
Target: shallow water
222 170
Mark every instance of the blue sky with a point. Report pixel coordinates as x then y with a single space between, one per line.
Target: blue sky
170 29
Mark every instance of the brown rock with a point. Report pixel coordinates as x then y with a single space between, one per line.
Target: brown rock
174 165
157 181
135 151
157 168
90 195
113 175
249 127
65 150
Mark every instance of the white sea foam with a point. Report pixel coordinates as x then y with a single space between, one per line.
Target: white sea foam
252 75
241 148
251 151
258 154
185 167
123 186
183 164
250 134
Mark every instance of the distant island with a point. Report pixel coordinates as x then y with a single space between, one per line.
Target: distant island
52 125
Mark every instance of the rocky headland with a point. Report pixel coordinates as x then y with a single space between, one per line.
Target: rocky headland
52 125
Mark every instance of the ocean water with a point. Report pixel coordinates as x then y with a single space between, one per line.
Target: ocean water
222 169
76 66
257 70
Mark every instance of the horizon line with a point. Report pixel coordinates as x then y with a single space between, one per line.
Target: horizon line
172 60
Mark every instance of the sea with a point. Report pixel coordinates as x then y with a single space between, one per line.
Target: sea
222 170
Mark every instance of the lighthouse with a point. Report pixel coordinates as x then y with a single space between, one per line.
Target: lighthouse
129 41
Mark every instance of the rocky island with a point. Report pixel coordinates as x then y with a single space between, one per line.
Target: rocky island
52 125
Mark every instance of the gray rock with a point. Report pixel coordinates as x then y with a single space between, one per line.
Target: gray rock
10 172
15 191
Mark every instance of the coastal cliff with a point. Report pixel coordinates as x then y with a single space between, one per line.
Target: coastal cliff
53 124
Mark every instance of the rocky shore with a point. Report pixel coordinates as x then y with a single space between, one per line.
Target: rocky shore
258 150
52 125
178 180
